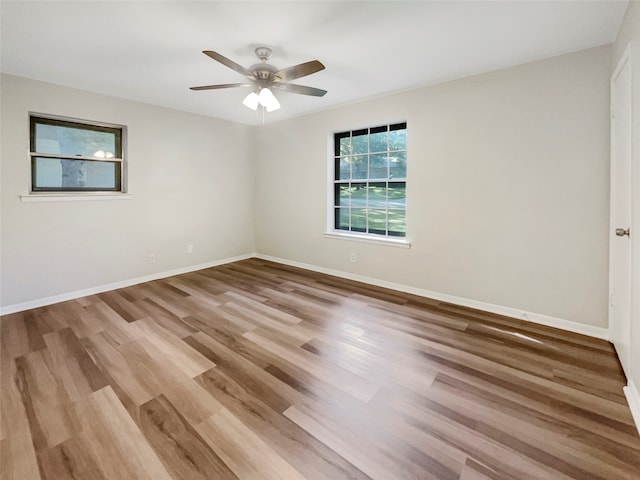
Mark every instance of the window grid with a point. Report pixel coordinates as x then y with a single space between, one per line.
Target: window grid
361 218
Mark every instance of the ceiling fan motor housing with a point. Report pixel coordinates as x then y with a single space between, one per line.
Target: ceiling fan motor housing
263 71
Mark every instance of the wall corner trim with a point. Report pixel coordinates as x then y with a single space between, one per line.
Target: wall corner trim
633 399
41 302
575 327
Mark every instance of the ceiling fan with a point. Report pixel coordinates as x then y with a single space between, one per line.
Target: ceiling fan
264 77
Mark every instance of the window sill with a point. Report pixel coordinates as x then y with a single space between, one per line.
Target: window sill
391 242
73 197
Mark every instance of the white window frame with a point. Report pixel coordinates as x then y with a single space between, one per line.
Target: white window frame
331 230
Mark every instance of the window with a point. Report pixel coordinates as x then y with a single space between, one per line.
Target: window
370 176
69 155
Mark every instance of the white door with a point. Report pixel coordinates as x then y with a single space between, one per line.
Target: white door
619 240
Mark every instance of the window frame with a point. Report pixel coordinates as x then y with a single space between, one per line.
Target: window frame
119 159
333 204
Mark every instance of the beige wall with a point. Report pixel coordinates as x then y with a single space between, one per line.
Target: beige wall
630 35
190 177
507 192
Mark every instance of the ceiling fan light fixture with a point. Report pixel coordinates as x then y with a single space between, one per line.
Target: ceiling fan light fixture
268 100
251 101
262 76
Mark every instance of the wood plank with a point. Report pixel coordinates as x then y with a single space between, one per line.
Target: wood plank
243 450
182 391
173 350
352 384
115 442
72 459
72 366
132 381
18 459
309 456
47 405
181 449
367 459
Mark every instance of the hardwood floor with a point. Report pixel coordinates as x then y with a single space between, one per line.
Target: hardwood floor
255 370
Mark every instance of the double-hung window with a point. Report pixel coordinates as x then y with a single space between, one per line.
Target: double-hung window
69 155
369 183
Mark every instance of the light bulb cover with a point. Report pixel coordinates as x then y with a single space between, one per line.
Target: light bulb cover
268 100
273 105
251 101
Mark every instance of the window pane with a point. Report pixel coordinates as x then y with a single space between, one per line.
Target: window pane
75 174
343 195
377 195
378 166
378 221
378 141
398 165
397 195
359 219
342 218
397 223
398 140
359 195
360 142
64 140
343 144
345 168
102 174
360 168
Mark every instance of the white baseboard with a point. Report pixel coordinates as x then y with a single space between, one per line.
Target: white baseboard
568 325
633 399
41 302
597 332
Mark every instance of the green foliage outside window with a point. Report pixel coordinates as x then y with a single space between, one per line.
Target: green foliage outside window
370 180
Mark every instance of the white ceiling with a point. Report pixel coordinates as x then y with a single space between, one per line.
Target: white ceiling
150 51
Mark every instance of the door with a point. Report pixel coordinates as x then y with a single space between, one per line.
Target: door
619 237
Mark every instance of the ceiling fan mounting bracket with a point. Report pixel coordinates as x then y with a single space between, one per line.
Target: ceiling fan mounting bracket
263 53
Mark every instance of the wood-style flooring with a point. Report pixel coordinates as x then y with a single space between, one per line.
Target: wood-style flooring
255 370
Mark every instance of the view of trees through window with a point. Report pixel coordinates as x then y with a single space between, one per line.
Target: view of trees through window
71 156
370 180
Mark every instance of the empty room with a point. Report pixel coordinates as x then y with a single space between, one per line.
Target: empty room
320 240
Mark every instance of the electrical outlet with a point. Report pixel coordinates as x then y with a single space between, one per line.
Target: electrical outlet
152 258
190 248
352 257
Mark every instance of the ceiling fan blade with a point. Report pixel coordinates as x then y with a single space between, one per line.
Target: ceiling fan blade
222 85
230 63
301 89
297 71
